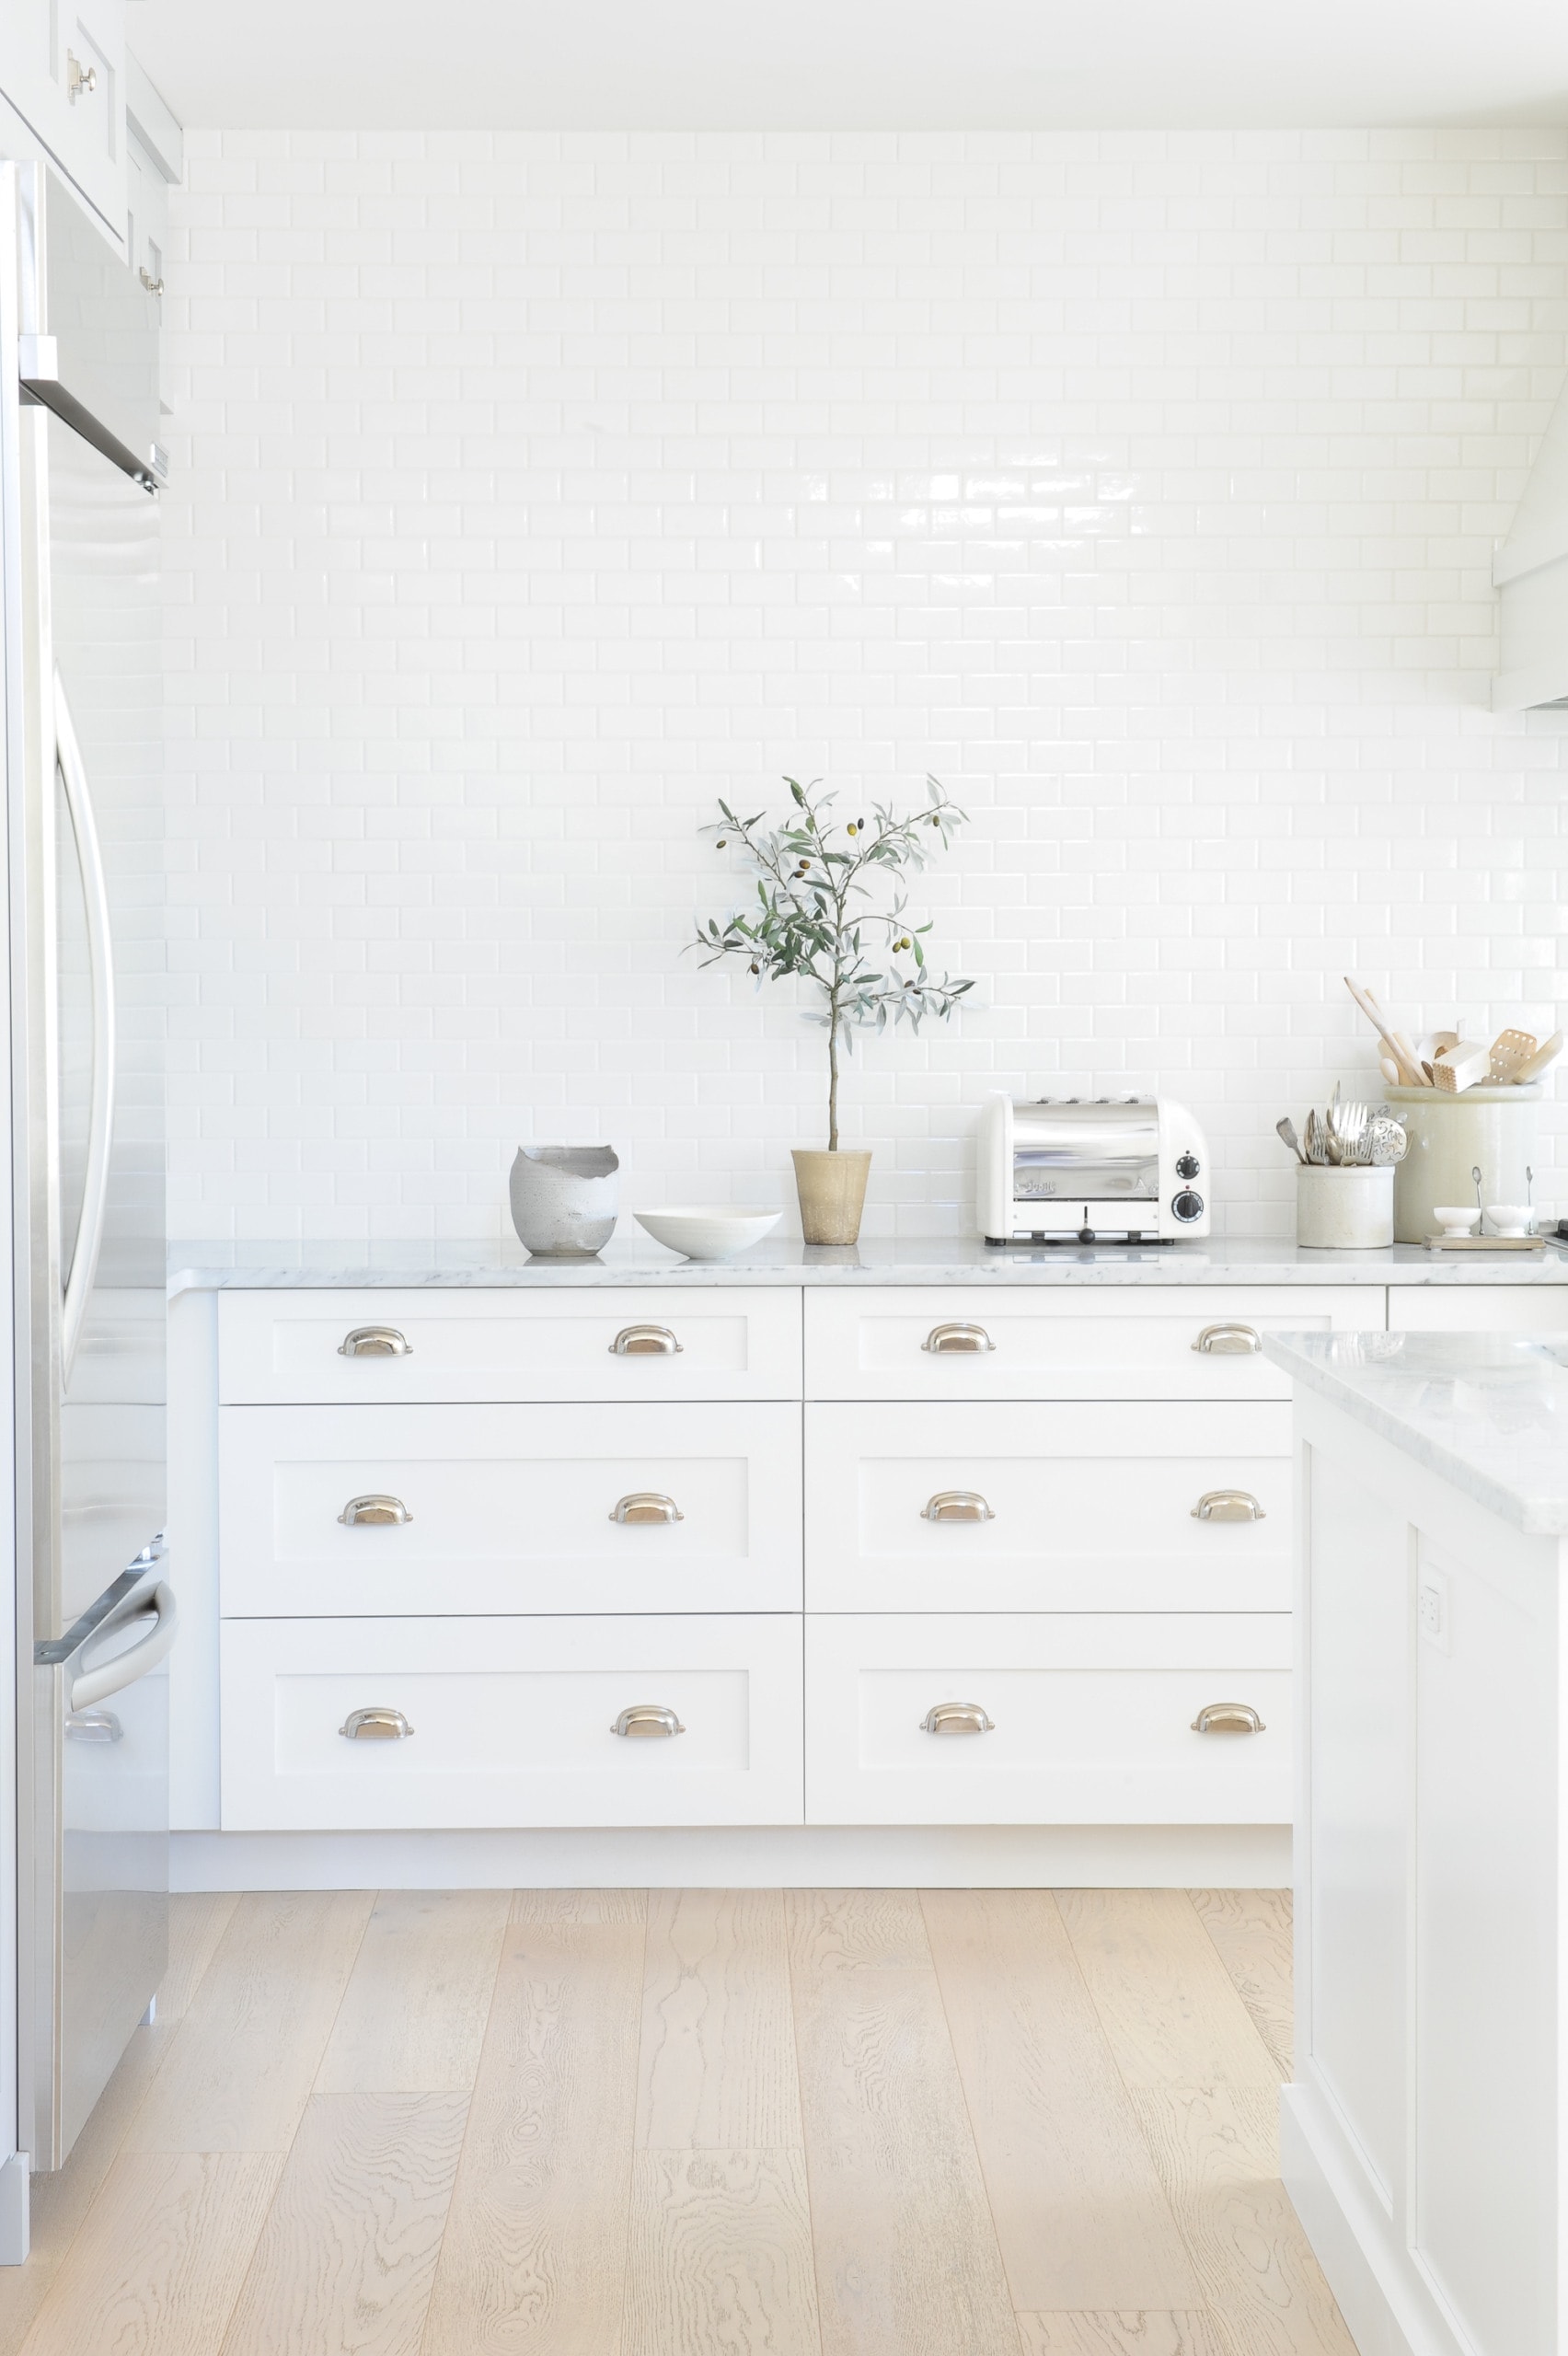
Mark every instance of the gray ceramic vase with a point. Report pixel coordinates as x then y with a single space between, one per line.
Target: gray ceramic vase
564 1199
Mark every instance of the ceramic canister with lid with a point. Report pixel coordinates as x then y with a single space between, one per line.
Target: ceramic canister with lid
1490 1129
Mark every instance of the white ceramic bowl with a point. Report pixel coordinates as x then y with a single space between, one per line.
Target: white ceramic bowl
1454 1218
708 1234
1509 1219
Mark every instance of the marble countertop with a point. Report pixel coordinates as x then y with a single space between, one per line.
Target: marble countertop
636 1260
1485 1412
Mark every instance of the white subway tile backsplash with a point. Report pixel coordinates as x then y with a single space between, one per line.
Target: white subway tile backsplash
531 490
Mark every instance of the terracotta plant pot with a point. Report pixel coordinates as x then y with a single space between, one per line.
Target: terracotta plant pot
831 1187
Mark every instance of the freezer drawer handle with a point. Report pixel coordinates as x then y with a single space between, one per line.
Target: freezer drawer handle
1228 1717
958 1339
647 1722
376 1510
94 1725
647 1504
1229 1505
376 1725
645 1342
374 1342
957 1717
956 1505
97 1684
1228 1341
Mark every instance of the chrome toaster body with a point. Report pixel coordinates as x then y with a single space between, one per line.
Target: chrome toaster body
1075 1169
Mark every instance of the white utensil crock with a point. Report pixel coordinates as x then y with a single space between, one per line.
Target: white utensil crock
1345 1210
1491 1129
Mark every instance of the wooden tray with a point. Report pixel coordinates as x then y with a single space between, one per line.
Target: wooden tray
1487 1242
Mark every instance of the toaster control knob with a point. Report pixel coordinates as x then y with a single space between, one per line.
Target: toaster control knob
1188 1166
1188 1205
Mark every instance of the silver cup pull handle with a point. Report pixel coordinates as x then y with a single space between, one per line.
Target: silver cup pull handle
376 1725
376 1511
93 1726
958 1339
375 1342
647 1722
645 1342
957 1504
646 1504
1228 1341
1228 1717
1229 1505
957 1717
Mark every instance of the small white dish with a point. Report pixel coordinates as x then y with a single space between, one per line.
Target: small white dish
709 1234
1509 1219
1454 1217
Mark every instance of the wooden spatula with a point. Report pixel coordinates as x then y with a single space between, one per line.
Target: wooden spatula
1509 1050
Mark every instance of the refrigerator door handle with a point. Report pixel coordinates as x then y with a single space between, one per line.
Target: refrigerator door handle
100 1132
96 1684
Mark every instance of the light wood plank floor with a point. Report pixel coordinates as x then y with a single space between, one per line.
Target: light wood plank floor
694 2123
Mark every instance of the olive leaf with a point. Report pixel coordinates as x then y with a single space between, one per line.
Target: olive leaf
811 872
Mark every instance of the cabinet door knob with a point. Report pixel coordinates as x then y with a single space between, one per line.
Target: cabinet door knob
154 285
957 1717
958 1339
376 1725
1229 1505
1228 1341
957 1504
79 79
1228 1717
647 1722
645 1342
376 1511
646 1504
374 1342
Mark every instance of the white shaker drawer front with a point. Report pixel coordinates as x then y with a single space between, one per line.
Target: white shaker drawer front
1480 1309
335 1510
1024 1341
630 1345
1039 1718
346 1723
921 1508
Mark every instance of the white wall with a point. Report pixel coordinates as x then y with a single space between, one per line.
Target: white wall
531 492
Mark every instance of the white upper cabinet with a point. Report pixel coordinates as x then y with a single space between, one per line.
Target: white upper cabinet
62 68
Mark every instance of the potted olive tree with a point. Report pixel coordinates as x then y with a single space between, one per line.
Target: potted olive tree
830 908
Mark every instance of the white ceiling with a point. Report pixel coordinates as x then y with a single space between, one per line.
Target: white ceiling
852 64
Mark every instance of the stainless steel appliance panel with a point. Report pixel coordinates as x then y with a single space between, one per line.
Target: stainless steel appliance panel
84 804
101 1710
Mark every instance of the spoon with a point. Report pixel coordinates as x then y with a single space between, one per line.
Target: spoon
1287 1129
1475 1173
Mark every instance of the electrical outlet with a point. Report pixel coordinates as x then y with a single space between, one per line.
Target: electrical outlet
1432 1609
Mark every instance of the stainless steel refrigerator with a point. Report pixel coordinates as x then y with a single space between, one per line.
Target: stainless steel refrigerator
84 844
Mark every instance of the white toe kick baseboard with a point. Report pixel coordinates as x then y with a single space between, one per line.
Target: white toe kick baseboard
1121 1856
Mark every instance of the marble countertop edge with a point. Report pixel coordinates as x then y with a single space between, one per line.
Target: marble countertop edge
1488 1414
358 1265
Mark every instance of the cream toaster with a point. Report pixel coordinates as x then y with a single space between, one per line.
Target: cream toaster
1090 1169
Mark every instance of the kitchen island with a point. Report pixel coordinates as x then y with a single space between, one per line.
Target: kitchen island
1422 2138
919 1562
